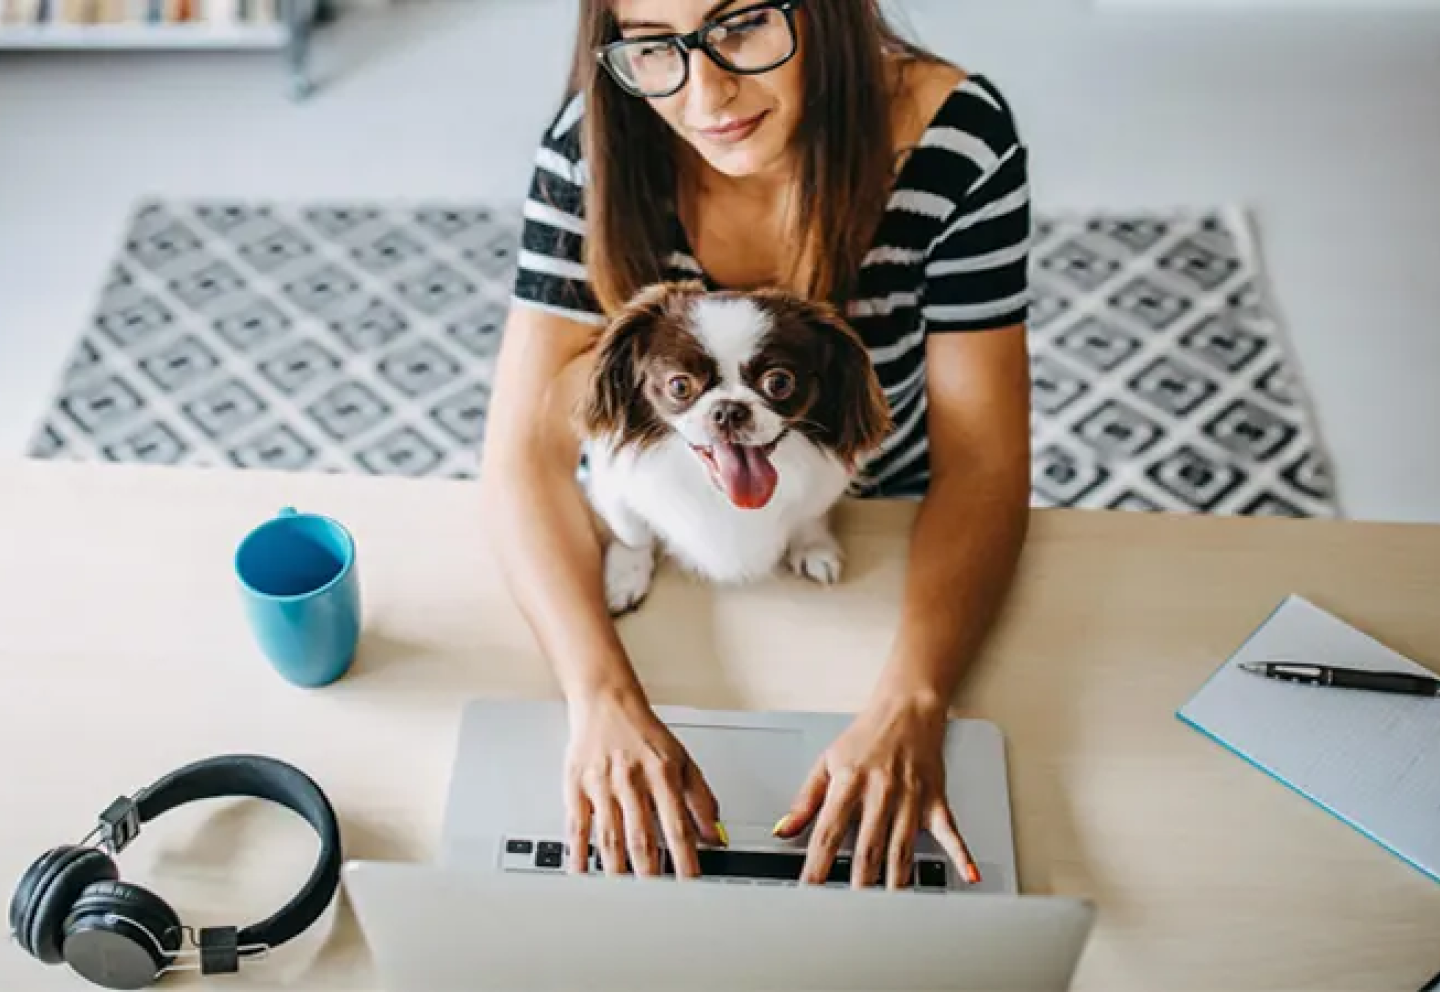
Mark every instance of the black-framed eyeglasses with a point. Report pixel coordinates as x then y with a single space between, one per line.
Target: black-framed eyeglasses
754 39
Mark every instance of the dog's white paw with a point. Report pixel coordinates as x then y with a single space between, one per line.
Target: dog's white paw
817 559
628 573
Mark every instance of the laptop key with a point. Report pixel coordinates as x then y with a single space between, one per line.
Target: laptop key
758 865
548 859
931 874
519 846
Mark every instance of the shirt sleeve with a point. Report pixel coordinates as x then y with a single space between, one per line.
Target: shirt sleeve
551 273
977 271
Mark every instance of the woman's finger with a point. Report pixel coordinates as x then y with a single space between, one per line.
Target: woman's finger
609 831
634 796
577 806
703 807
870 840
807 801
667 787
837 811
941 825
901 856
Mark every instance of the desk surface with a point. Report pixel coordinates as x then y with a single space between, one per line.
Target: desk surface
124 655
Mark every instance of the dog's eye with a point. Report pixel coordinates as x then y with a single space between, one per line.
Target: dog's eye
778 384
680 387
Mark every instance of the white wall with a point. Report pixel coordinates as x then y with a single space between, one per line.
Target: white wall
1373 6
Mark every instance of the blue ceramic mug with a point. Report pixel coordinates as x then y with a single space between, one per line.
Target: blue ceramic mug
302 595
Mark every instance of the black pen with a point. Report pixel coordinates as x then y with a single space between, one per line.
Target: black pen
1345 678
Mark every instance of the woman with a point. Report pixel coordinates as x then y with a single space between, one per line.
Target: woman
797 143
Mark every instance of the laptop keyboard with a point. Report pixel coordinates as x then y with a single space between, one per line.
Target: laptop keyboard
759 867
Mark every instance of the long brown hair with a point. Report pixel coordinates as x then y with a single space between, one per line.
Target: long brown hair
843 143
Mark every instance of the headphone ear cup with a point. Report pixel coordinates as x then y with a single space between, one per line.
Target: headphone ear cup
23 898
141 906
48 890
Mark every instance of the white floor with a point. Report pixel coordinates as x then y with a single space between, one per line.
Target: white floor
1327 124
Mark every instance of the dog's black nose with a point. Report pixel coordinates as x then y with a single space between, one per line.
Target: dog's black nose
729 415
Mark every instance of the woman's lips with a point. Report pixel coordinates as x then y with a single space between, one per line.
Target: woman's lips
735 130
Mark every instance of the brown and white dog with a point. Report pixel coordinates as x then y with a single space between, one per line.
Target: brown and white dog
723 427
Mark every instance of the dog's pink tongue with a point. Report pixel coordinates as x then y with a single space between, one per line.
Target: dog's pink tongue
746 473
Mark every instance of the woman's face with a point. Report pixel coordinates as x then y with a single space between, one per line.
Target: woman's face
740 124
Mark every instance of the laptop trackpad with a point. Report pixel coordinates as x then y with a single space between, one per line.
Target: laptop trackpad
755 773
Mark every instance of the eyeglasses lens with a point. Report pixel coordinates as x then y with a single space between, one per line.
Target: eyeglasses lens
753 41
651 67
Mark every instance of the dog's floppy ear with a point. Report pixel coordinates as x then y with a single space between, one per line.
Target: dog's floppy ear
853 412
612 404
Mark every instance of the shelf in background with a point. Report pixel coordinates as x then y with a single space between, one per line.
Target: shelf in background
143 36
288 33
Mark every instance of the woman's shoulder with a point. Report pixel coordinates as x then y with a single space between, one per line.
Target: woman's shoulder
562 132
968 134
978 106
953 107
558 174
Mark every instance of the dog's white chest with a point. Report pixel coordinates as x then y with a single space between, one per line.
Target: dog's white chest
671 493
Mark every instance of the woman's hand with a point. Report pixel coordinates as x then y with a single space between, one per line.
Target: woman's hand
888 770
624 772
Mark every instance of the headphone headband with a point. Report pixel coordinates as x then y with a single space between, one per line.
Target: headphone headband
71 905
257 777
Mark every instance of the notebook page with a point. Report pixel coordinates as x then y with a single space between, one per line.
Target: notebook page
1371 758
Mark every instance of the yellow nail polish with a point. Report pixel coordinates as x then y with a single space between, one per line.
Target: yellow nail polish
780 824
724 836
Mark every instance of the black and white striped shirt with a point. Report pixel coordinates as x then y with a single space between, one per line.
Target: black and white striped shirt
951 254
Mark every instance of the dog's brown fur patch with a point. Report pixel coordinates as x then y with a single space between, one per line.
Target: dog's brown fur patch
845 408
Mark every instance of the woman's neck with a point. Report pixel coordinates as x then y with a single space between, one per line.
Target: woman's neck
759 190
735 225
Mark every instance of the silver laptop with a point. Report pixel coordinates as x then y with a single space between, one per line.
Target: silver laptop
499 911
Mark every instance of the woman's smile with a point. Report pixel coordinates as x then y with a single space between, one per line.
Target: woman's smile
733 131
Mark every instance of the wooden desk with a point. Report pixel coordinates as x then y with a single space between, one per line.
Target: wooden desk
124 655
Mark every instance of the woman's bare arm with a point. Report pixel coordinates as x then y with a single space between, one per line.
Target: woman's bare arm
622 760
887 770
536 512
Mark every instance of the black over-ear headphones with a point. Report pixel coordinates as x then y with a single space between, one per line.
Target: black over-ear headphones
71 905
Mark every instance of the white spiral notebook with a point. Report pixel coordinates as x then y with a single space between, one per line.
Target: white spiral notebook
1370 758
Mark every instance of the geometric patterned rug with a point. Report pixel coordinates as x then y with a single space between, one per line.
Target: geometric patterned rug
1161 377
361 337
